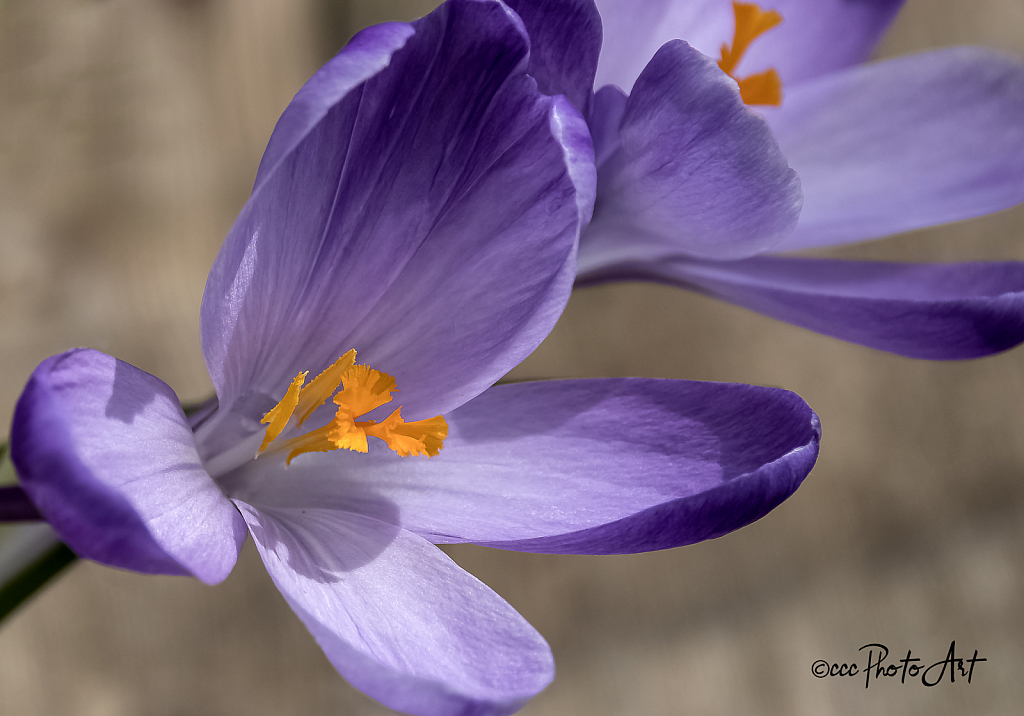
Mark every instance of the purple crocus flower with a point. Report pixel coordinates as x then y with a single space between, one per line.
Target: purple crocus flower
419 202
694 186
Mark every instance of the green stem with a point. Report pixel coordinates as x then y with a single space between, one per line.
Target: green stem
30 556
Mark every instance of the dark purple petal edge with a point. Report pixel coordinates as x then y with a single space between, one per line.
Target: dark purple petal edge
688 520
926 311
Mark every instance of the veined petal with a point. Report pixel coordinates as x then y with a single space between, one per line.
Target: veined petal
583 466
695 170
396 617
904 143
932 311
106 454
367 53
428 221
565 42
816 36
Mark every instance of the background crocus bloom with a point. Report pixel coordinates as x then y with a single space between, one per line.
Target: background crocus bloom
420 202
693 185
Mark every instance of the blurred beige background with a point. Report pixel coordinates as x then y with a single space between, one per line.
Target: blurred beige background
130 131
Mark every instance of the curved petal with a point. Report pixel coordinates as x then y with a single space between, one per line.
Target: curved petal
585 466
695 172
105 452
932 311
905 143
396 617
565 41
367 53
816 36
429 221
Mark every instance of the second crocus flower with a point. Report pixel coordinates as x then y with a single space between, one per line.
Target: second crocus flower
695 186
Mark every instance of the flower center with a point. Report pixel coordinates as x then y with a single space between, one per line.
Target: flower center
751 21
362 390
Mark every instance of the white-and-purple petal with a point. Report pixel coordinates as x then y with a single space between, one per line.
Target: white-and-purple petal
106 455
691 170
396 617
905 143
429 221
929 311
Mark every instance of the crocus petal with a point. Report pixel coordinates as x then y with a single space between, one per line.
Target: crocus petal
607 109
815 37
565 41
584 466
428 221
633 32
105 452
932 311
367 53
696 171
396 617
905 143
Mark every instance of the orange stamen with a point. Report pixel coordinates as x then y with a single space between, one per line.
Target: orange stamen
280 414
421 437
322 387
762 88
751 22
363 389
